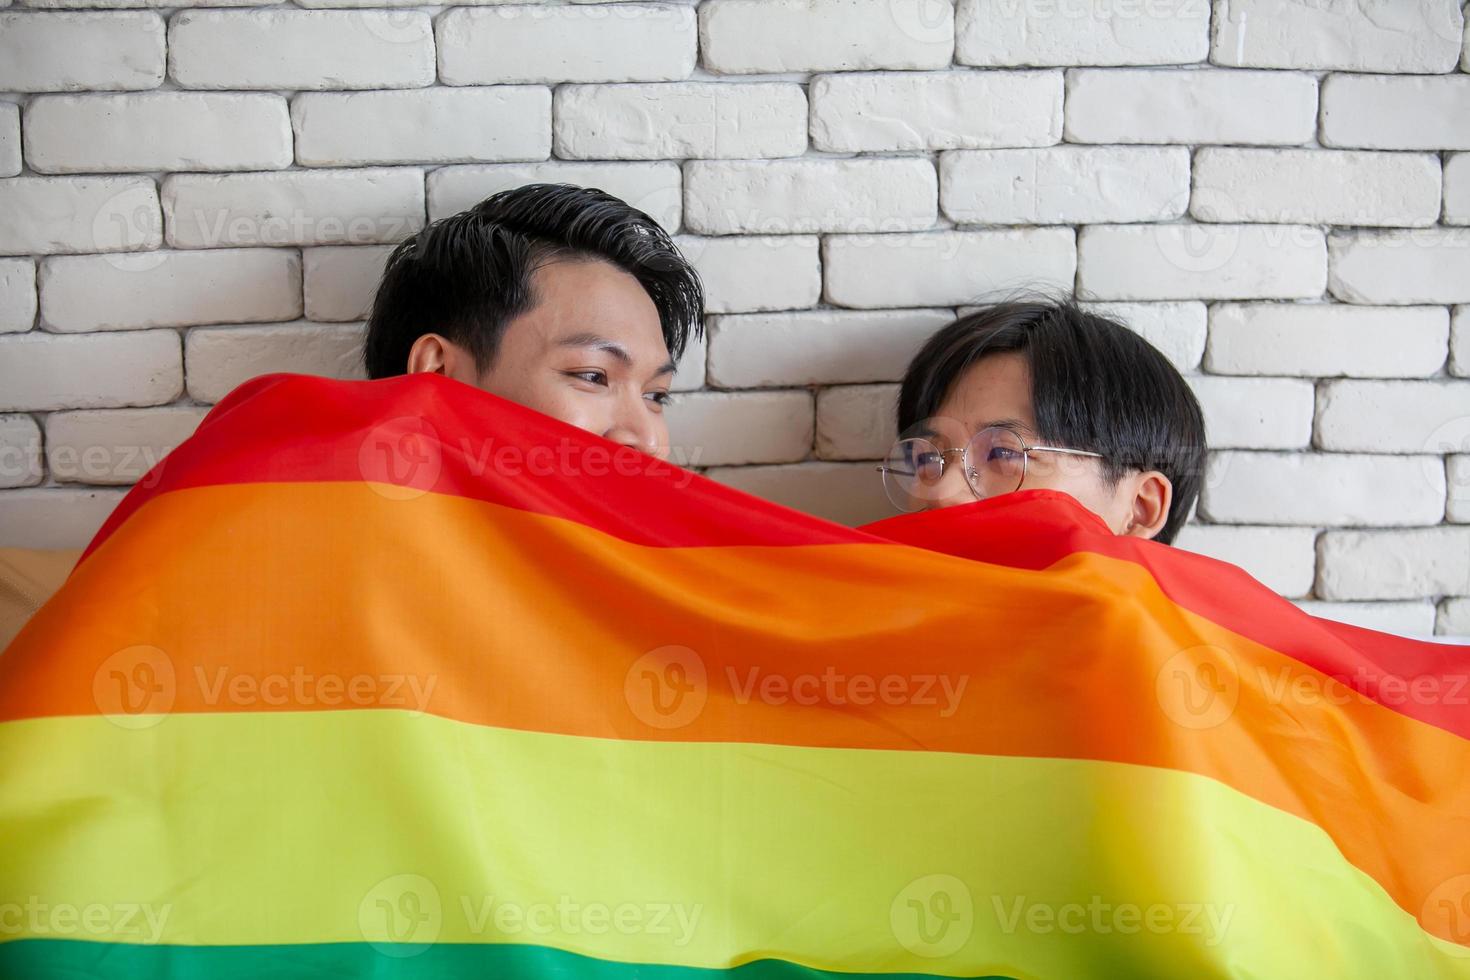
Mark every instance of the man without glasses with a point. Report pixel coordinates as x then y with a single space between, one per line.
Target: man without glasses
560 298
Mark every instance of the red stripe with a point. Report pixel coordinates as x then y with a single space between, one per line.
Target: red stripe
291 428
426 433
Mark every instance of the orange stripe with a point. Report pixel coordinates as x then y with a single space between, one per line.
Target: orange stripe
517 620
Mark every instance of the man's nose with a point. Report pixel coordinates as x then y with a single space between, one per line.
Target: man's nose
635 425
951 489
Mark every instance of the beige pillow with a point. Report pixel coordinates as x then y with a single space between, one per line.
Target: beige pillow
27 579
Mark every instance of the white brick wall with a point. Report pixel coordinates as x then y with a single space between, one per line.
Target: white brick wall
67 134
102 52
1007 32
1064 185
876 111
680 119
804 196
1274 193
9 139
1413 112
530 43
1339 187
301 49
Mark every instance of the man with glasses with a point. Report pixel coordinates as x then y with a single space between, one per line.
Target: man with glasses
1046 396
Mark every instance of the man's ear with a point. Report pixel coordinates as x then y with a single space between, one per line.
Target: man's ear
1149 509
435 354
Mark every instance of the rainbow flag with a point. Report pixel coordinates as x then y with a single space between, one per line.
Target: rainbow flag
396 679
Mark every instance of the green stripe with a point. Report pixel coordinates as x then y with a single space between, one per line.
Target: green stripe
76 959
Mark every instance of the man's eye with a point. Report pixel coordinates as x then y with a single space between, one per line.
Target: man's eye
659 398
591 377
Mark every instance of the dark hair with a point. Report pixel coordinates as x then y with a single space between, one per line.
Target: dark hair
468 275
1095 385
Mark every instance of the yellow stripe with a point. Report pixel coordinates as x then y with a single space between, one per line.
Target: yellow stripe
339 826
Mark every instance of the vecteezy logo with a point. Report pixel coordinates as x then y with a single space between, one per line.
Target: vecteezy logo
135 687
1451 437
667 687
933 916
401 458
1198 687
1446 913
401 916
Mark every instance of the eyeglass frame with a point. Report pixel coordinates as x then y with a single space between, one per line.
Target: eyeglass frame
964 453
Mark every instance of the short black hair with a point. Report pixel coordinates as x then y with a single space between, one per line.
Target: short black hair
1095 385
468 275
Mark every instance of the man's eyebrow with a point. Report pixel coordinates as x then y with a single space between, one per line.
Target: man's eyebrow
593 341
1015 425
597 342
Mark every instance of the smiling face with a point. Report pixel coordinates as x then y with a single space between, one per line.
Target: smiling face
590 352
996 391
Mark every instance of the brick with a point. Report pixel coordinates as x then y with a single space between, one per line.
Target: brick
40 372
1407 564
324 207
944 268
1395 416
71 52
713 428
58 215
439 125
1205 106
1064 185
1341 187
848 493
691 371
219 359
557 44
756 350
654 188
1460 342
1457 189
1323 340
106 4
1256 413
786 196
856 421
1379 112
680 119
1457 483
1180 261
744 37
1284 559
1426 265
341 281
49 517
1320 489
20 452
169 289
743 274
17 295
1454 618
1414 619
157 131
117 446
9 139
1412 36
935 111
301 49
1178 330
1014 32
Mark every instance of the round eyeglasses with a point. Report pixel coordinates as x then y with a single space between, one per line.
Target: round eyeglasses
993 461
